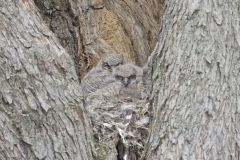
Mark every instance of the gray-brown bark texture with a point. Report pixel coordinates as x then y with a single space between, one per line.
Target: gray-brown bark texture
140 19
196 77
88 29
41 110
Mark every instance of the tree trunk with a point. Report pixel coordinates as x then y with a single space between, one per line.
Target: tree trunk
196 74
41 110
88 29
139 21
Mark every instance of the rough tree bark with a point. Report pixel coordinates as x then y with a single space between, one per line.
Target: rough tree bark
195 87
87 29
41 110
140 20
196 82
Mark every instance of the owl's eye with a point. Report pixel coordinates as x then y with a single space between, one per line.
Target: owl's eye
106 66
119 77
121 63
132 77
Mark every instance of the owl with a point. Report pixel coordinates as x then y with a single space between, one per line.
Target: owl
110 61
130 76
101 75
115 106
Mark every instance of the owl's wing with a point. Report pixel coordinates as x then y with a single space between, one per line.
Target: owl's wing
96 80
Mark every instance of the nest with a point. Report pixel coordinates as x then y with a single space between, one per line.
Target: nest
120 119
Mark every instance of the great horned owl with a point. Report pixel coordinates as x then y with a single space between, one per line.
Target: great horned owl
116 118
101 75
110 61
130 77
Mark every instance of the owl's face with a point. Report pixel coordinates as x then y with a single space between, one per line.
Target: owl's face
125 74
111 61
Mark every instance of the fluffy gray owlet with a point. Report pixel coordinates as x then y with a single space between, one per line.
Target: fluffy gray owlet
101 75
130 77
110 61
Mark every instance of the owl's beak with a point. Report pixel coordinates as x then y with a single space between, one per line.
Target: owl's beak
125 81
